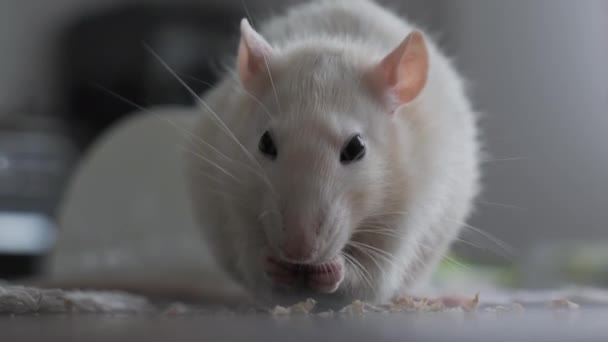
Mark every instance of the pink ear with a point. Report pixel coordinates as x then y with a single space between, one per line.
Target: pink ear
402 74
254 52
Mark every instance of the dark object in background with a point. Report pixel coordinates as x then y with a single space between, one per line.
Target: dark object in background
102 50
36 156
106 50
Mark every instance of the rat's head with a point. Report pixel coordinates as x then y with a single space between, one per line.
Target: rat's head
327 148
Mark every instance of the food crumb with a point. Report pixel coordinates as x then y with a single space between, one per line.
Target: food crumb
280 311
506 309
303 307
562 304
300 308
357 307
326 314
397 305
471 305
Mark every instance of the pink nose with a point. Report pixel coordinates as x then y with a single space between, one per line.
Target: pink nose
299 247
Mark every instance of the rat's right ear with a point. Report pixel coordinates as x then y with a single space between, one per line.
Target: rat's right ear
254 52
403 73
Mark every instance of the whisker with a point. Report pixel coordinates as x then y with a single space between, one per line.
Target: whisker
402 213
354 267
386 255
503 205
266 111
212 112
370 256
146 110
504 160
247 13
363 269
449 259
216 180
187 133
203 103
200 156
276 95
392 234
503 245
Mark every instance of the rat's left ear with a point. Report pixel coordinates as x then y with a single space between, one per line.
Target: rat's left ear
403 72
254 52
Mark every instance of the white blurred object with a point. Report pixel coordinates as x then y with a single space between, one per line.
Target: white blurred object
126 216
25 233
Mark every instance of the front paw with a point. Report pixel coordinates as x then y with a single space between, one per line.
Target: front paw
281 273
327 277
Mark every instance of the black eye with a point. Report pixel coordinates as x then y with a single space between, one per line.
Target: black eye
353 151
267 146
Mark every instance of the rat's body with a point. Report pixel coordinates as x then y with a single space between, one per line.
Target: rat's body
298 213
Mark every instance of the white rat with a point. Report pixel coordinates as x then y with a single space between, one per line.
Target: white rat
338 159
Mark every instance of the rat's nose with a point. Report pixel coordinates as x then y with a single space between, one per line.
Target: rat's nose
301 235
299 247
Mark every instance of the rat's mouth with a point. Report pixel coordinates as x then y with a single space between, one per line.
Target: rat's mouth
323 277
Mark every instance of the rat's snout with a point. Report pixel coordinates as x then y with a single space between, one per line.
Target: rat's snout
299 247
300 238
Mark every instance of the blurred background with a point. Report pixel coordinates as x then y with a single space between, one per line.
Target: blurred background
537 71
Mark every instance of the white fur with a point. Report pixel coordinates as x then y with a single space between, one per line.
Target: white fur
417 180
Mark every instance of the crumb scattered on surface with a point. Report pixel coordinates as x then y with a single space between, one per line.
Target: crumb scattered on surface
434 305
326 314
280 311
506 309
301 308
472 304
357 307
400 304
562 304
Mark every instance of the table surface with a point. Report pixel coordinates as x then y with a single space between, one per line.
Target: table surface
542 325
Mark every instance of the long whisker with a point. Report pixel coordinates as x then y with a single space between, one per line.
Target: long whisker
226 172
503 160
189 135
203 103
368 276
390 233
247 12
510 206
389 257
503 245
354 267
266 111
216 180
395 213
213 113
443 256
369 255
276 95
185 131
395 235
